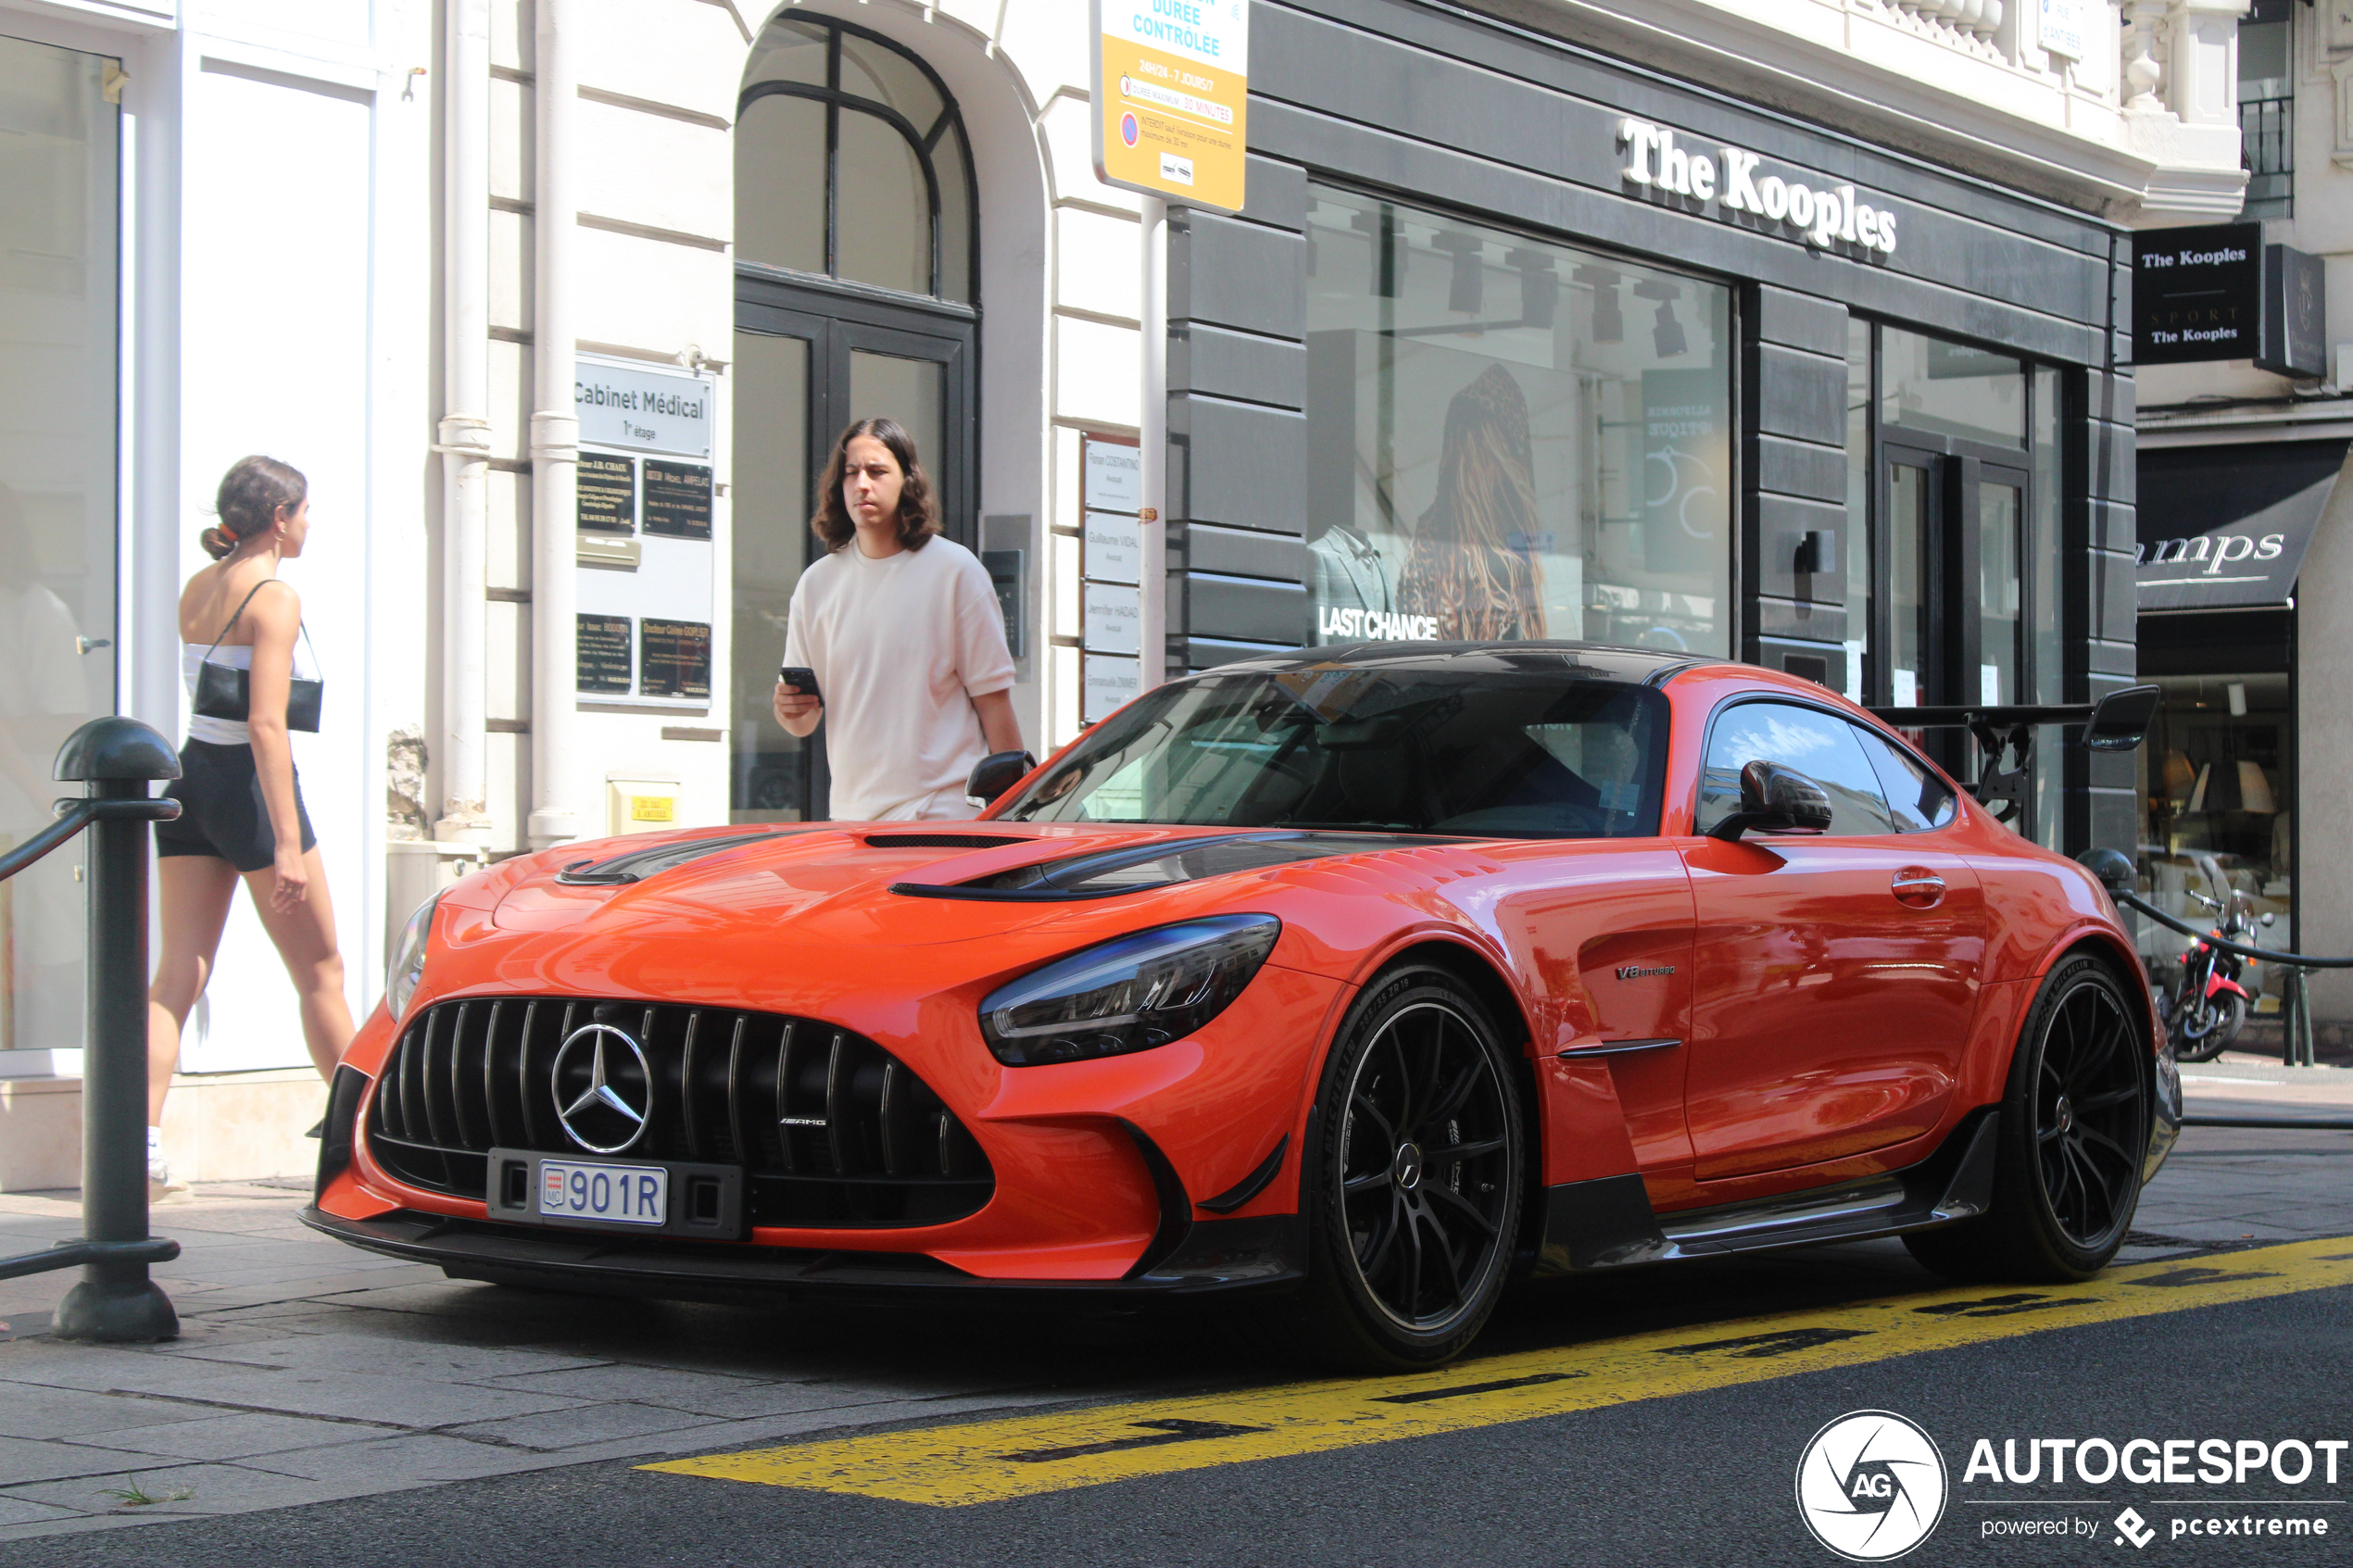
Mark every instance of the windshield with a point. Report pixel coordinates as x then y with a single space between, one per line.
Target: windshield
1491 753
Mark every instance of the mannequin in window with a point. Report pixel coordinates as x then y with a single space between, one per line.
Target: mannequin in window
1469 566
1350 574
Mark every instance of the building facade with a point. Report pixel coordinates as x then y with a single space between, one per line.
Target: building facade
1792 330
2246 530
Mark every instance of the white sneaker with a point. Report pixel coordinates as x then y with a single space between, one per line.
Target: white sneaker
159 1183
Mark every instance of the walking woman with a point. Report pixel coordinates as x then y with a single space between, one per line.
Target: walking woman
240 812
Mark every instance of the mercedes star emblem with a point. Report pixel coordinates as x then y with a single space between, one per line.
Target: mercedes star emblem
602 1107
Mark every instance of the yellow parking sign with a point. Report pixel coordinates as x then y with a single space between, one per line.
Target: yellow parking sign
1172 93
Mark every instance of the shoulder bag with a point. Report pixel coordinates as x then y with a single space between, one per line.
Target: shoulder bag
223 691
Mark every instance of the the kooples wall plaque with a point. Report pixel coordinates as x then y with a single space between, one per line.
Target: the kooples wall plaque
2197 294
1822 215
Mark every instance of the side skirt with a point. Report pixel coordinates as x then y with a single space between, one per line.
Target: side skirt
1608 1222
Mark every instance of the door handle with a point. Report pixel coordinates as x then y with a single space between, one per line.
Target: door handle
1919 887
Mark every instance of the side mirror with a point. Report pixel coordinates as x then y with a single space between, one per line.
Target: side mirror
1776 799
996 773
2120 719
2113 867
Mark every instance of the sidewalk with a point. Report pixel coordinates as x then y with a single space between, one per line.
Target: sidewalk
306 1370
309 1371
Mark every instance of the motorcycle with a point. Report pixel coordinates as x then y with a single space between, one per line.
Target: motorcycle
2210 1005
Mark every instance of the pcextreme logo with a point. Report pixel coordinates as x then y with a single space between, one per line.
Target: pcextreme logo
1871 1486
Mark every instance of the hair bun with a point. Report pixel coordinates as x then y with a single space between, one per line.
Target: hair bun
217 543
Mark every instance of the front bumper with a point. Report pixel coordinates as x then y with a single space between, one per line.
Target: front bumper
1211 1256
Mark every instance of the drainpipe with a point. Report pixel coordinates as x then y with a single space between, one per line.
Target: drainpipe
555 445
1151 621
465 428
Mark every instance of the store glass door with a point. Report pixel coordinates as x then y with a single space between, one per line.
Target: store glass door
59 206
810 361
1949 599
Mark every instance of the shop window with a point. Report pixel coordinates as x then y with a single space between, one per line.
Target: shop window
1929 383
1510 439
58 305
2218 787
850 163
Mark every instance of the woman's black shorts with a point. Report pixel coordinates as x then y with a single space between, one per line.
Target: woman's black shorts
221 812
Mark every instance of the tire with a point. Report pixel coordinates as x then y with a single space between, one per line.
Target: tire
2074 1130
1413 1179
2208 1027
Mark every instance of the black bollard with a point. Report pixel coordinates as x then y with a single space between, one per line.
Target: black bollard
116 1301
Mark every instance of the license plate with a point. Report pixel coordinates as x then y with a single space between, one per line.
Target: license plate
625 1195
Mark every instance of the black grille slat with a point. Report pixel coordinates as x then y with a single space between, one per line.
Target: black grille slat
428 1060
460 1089
490 1072
690 1108
736 1064
856 1138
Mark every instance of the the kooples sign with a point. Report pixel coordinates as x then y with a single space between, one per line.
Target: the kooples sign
1822 216
2197 294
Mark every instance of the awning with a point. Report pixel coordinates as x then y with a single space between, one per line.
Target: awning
2226 527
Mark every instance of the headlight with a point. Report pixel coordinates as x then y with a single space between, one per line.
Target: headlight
1127 994
408 964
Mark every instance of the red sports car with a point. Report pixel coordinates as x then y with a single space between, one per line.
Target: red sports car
1365 979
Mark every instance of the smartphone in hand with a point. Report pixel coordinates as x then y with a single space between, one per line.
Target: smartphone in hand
800 680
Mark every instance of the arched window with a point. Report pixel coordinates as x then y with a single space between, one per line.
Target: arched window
851 162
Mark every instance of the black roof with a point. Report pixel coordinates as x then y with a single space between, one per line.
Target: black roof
1592 661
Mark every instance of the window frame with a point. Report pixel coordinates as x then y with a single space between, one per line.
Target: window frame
1798 699
921 143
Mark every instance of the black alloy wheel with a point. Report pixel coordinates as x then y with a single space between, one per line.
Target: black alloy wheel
2075 1130
1413 1178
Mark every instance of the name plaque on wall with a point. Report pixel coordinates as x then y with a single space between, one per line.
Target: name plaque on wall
677 499
676 660
648 552
608 493
605 654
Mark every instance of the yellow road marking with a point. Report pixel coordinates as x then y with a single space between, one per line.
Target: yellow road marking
990 1461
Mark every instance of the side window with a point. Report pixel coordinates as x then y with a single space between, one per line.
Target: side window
1918 798
1821 747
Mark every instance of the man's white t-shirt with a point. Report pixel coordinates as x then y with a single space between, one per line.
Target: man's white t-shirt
900 647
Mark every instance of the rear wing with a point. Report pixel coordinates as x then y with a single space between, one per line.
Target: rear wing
2117 723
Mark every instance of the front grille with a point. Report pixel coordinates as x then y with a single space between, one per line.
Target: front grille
831 1129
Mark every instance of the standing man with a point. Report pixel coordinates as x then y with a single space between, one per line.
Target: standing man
902 630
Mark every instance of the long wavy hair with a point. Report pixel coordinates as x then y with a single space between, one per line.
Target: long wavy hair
918 513
1471 564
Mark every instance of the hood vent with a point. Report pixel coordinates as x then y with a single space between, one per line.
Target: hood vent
1138 869
636 865
943 840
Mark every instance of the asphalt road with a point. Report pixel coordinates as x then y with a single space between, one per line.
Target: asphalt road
1700 1476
